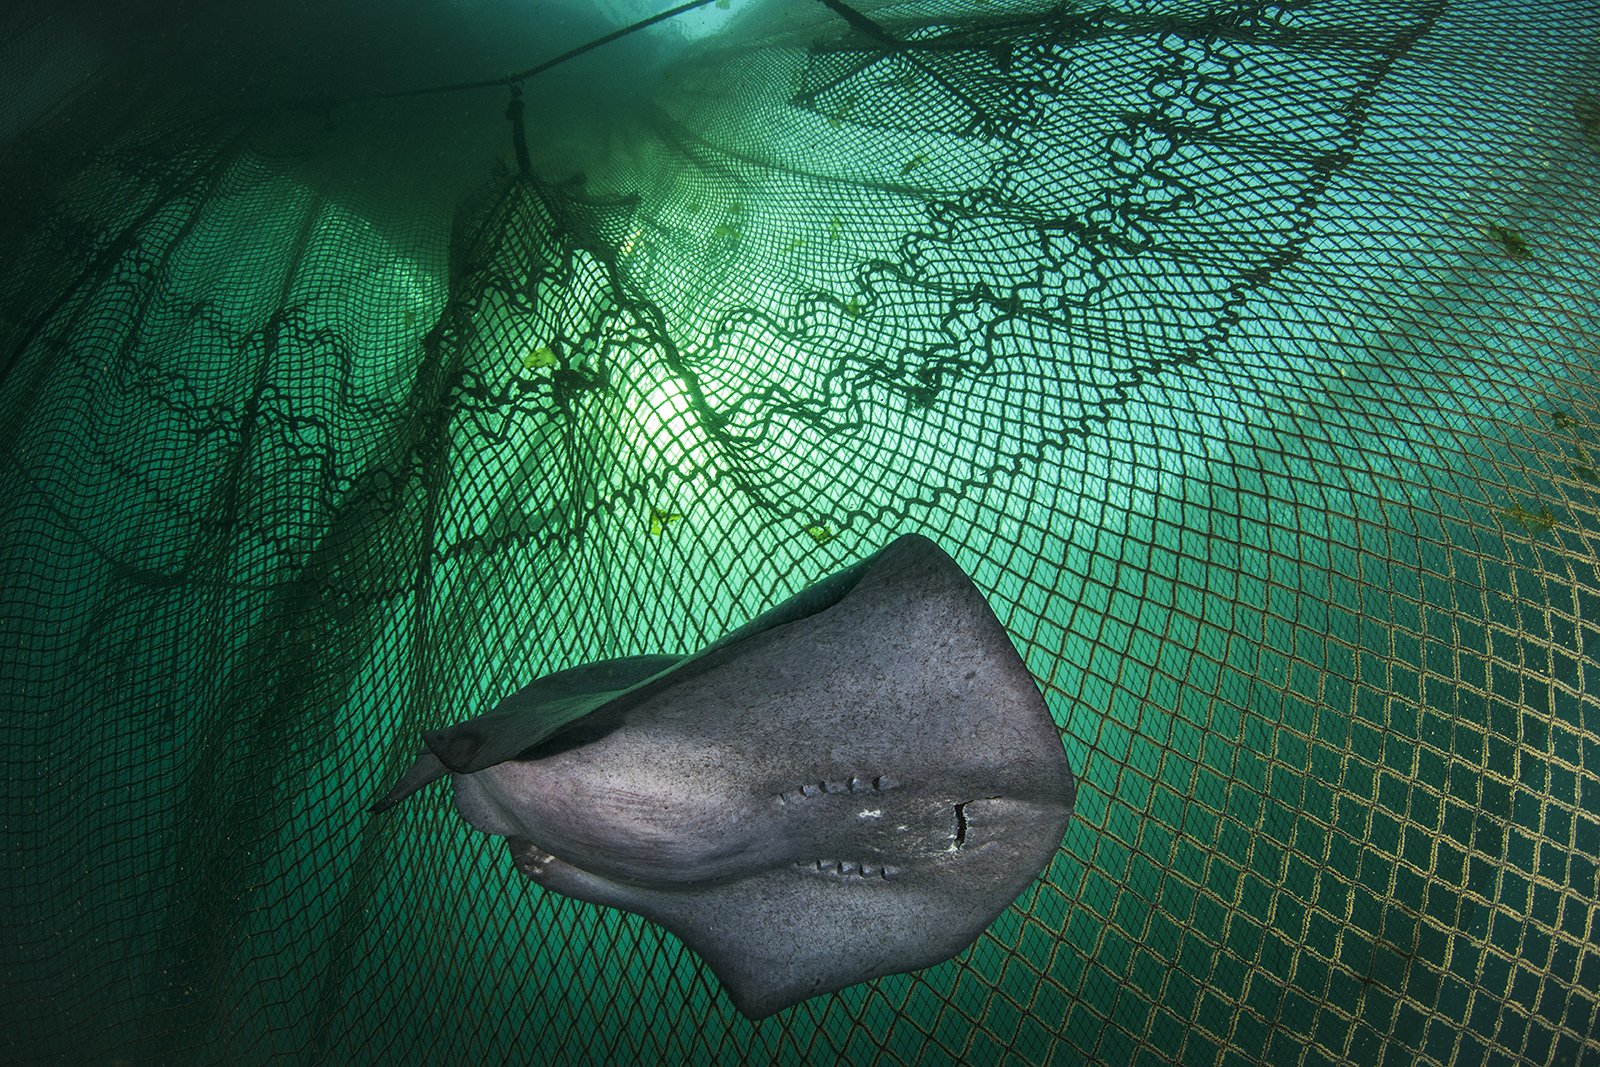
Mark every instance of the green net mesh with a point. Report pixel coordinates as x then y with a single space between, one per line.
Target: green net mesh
1243 353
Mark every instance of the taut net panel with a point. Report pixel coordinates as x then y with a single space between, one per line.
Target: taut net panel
1244 354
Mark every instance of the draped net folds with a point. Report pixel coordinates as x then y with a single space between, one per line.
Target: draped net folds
1244 354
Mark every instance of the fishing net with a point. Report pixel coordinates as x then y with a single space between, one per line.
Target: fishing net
1243 353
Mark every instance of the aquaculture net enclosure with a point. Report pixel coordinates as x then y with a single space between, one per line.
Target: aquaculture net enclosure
1243 353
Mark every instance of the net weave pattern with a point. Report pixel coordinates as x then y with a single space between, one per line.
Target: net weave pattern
1244 354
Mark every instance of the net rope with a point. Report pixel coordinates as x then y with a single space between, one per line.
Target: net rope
1243 354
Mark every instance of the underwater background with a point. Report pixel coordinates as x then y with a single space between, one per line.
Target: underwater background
1243 354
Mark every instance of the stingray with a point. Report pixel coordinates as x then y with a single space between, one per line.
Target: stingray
854 784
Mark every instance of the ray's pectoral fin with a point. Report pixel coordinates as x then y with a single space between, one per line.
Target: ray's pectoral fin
539 711
533 715
785 934
789 932
427 768
793 932
815 930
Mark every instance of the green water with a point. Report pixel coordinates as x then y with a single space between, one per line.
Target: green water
1246 366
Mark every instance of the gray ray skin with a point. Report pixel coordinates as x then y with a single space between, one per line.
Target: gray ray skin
854 784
